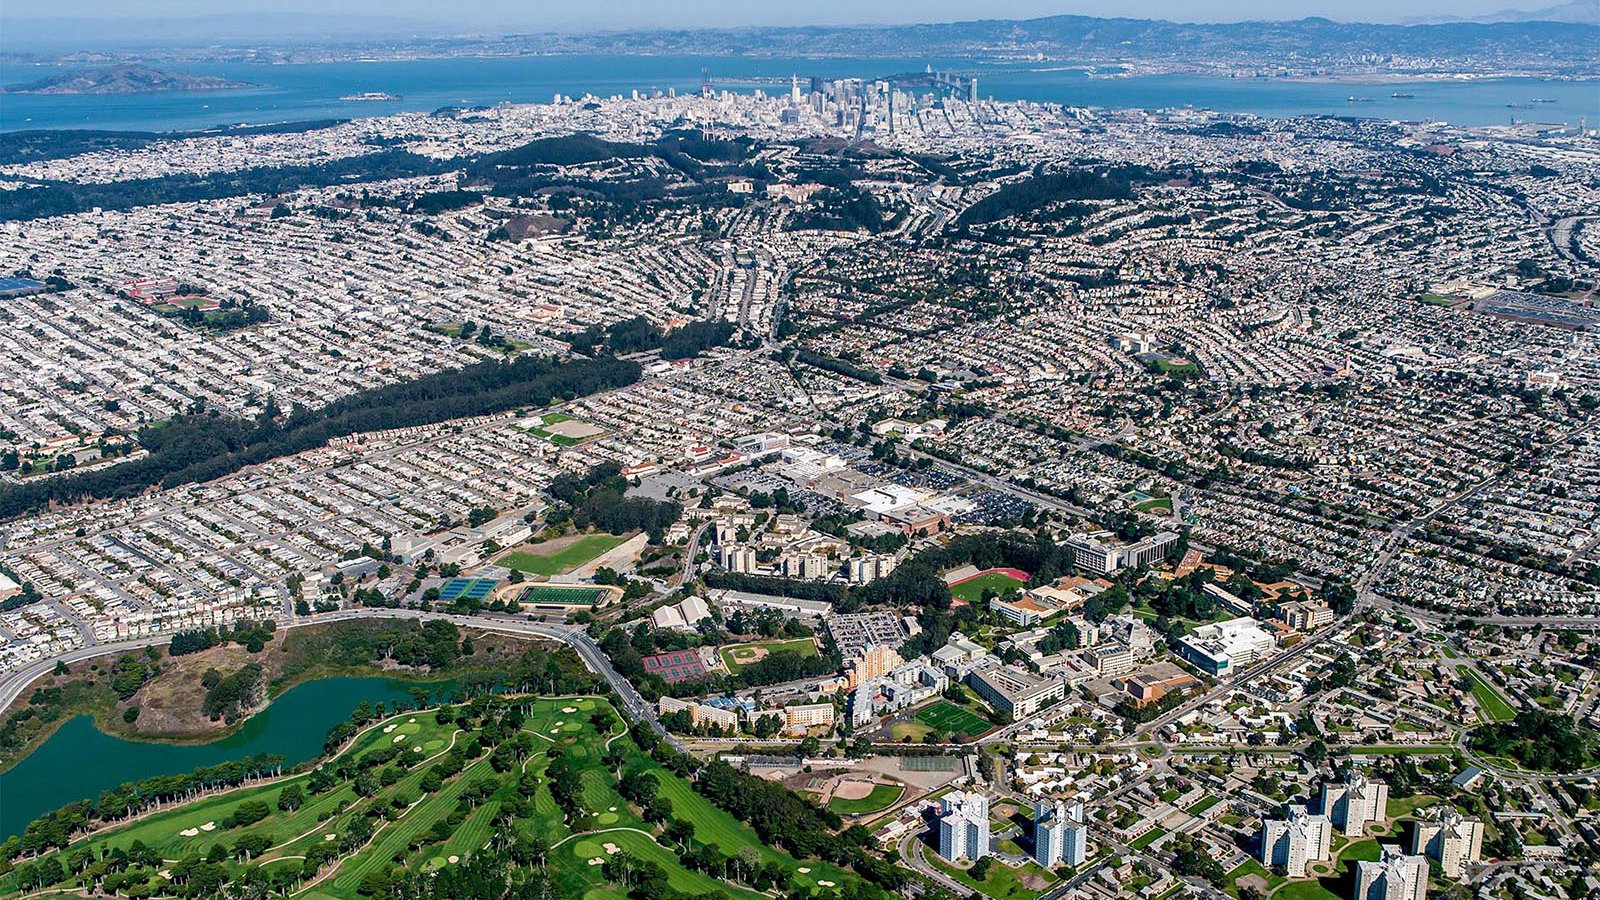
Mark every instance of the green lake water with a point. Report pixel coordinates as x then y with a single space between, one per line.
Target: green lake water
79 760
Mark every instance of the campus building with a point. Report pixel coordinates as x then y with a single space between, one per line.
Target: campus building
963 826
1015 691
1223 648
1293 842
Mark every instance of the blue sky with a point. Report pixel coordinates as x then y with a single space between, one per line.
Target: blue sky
608 14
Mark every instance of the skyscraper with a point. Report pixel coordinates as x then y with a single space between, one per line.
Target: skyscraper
963 826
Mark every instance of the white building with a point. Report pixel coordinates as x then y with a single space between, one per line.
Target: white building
1060 834
1396 876
1355 802
963 826
1449 837
1225 647
1296 841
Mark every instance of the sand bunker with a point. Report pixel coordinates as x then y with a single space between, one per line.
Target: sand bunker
398 738
329 836
597 861
388 728
805 870
209 826
610 847
824 884
189 832
569 709
416 749
453 860
412 720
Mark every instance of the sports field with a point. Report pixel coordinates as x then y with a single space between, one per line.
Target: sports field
737 656
952 719
569 596
883 796
563 558
972 589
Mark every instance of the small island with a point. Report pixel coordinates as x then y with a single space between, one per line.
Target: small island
124 79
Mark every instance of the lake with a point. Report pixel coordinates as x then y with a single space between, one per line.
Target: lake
312 90
79 760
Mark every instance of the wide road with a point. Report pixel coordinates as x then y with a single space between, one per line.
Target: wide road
14 683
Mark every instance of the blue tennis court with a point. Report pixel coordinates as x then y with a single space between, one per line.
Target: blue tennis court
466 589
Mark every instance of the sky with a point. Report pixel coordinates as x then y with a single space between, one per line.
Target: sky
563 15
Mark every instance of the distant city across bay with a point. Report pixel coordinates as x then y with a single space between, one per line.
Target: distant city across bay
357 89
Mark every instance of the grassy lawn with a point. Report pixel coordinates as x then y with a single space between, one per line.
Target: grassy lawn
1248 868
972 591
1490 701
737 656
882 797
1204 804
1148 838
1406 806
1002 882
950 718
565 559
913 730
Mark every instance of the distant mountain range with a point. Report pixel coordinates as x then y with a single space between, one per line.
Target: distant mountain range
1586 12
123 79
1309 47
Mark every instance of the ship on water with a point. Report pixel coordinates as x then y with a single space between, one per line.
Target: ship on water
368 96
1400 96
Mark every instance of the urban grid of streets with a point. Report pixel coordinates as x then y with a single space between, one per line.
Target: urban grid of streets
1365 347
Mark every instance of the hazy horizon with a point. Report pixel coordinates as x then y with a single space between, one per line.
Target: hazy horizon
510 16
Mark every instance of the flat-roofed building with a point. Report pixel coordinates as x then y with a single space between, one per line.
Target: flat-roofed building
1015 691
1222 648
1296 841
1444 834
1393 876
963 826
798 719
1354 803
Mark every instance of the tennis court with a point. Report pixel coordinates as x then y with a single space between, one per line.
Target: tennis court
466 589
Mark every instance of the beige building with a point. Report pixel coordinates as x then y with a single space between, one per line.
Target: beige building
1449 837
876 662
700 713
1396 876
798 719
1294 842
1354 803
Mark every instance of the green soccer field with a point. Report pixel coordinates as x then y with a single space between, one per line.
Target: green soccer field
971 591
555 562
951 719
